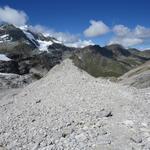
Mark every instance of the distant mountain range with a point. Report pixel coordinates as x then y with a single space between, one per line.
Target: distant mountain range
23 51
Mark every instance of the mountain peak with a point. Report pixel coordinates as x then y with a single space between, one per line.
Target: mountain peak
25 35
118 49
114 46
7 26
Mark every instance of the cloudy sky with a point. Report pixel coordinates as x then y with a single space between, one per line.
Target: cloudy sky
83 22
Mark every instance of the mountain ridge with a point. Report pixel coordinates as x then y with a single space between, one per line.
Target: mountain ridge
29 50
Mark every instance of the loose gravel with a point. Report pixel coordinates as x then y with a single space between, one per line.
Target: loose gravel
71 110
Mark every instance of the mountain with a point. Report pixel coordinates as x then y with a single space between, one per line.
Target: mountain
13 38
145 53
134 50
118 50
24 51
112 60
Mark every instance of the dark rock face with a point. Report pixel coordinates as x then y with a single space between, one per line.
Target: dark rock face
118 50
22 65
14 80
99 50
9 67
44 60
15 34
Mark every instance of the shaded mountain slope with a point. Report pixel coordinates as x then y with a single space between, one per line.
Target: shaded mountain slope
113 60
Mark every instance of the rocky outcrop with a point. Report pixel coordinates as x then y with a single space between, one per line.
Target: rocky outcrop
9 67
22 65
8 81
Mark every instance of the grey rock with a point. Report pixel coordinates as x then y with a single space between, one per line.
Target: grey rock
136 139
112 116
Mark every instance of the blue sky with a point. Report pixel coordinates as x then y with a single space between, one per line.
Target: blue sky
74 16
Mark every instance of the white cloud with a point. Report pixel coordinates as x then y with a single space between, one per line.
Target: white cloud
130 37
122 35
66 38
142 32
19 18
126 42
80 43
13 16
121 30
138 31
38 28
97 28
61 36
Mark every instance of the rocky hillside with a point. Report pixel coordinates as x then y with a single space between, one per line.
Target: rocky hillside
23 51
69 109
145 53
9 81
113 60
138 77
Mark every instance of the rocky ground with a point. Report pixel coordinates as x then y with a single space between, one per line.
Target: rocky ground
71 110
138 77
8 81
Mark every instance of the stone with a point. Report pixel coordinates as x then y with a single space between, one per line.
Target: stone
81 137
38 101
136 139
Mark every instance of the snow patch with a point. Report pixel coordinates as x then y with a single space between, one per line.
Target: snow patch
30 37
56 41
25 27
28 34
6 74
4 57
4 38
44 45
80 43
